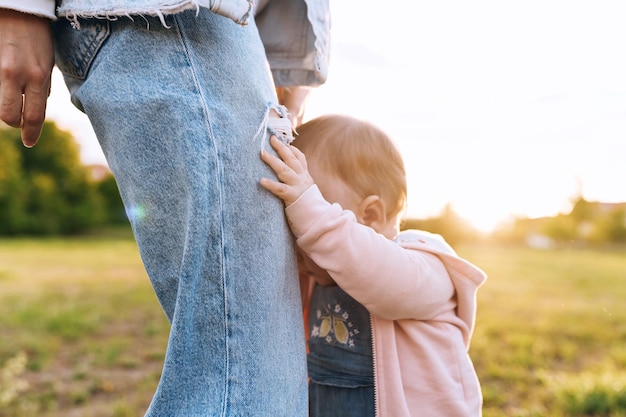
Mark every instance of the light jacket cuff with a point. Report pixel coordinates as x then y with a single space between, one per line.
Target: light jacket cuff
42 8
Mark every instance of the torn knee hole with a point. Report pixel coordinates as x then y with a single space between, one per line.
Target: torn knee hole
280 125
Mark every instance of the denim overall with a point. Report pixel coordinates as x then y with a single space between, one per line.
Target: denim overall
180 112
340 361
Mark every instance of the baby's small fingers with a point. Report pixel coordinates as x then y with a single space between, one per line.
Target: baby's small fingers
285 152
267 157
275 163
299 156
282 170
279 189
268 184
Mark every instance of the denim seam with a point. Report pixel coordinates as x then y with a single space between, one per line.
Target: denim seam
178 27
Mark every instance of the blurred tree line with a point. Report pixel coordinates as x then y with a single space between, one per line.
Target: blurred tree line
46 190
588 223
448 224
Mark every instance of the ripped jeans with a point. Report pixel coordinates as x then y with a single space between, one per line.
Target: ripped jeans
180 115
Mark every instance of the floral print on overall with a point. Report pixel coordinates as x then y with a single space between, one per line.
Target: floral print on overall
334 326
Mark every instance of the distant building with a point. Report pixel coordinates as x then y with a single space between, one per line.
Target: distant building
537 241
609 207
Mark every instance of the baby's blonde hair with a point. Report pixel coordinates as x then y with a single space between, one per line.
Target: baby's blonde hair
359 154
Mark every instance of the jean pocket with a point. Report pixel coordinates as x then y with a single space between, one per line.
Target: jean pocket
76 48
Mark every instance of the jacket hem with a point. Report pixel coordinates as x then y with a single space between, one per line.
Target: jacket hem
239 13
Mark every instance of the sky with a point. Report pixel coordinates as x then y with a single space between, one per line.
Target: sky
501 108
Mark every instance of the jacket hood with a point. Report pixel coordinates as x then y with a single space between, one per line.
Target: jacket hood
465 276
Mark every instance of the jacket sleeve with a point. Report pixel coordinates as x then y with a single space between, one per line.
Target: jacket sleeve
390 281
43 8
296 37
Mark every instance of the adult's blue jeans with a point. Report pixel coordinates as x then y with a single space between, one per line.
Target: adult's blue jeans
180 113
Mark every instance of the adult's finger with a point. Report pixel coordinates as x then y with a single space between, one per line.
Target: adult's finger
34 111
10 100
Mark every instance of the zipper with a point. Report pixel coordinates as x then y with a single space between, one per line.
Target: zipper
374 366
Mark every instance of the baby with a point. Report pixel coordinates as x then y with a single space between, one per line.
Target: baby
391 313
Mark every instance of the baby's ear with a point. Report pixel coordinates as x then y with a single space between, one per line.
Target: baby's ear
372 212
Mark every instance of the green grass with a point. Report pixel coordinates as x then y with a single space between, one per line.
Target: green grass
83 312
81 327
551 332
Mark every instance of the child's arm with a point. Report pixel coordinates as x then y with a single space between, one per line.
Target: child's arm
391 281
388 280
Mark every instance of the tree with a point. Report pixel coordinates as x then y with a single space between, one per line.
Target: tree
112 202
12 187
610 227
583 210
448 224
561 228
46 190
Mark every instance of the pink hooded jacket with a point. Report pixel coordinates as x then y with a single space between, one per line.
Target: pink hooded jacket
422 300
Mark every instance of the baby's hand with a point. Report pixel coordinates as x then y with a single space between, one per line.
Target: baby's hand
291 170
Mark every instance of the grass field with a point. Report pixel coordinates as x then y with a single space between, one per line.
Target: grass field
82 334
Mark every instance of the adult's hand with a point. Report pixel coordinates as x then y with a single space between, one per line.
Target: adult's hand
26 62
